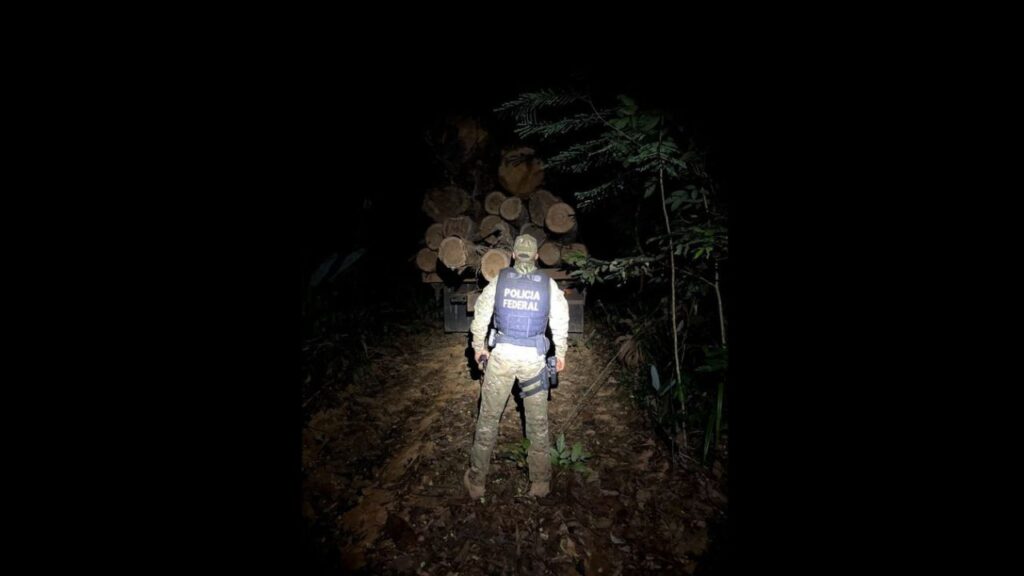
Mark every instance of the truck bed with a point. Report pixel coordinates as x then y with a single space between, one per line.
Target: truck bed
458 305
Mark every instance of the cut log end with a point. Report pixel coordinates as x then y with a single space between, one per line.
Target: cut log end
458 254
520 172
434 235
535 231
493 202
452 252
561 218
494 230
511 208
540 203
462 226
550 253
493 262
426 260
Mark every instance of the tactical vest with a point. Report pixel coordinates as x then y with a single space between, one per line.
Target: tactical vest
522 303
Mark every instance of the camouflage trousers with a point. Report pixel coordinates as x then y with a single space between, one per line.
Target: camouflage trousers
506 364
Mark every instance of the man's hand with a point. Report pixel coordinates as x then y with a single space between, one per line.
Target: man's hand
480 357
559 364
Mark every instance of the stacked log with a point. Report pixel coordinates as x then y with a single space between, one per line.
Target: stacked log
443 203
475 233
560 218
493 261
426 260
514 212
536 231
462 226
520 172
434 235
493 202
550 253
458 254
540 203
495 231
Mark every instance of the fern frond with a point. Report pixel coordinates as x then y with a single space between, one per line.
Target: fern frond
586 198
528 103
580 158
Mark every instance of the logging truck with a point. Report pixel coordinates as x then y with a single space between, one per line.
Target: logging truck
470 239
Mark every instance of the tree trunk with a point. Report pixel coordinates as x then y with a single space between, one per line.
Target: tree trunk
426 260
550 253
462 226
443 203
494 261
434 235
540 202
521 172
493 201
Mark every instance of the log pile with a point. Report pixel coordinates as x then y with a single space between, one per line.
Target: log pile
474 233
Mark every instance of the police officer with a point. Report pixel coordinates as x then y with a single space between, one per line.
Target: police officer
522 300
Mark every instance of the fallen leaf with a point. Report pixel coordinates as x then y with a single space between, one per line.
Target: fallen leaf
569 547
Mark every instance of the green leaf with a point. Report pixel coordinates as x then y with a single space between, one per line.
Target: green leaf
579 467
530 101
655 379
628 107
561 443
577 451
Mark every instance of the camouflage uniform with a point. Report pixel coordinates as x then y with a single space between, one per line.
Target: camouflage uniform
507 363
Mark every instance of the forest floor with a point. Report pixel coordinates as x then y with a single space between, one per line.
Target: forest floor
383 459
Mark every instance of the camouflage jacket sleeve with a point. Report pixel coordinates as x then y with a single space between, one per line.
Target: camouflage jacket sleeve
559 320
482 312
